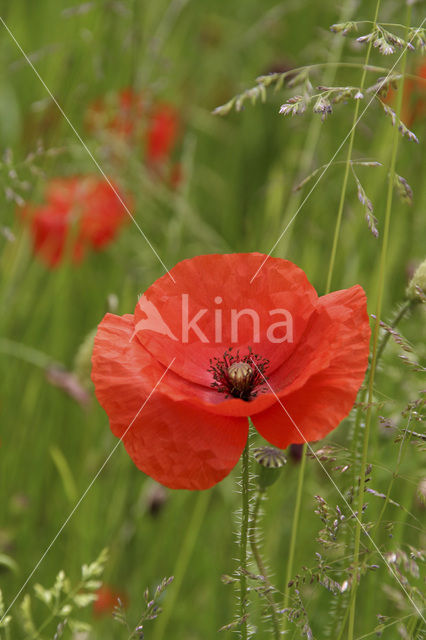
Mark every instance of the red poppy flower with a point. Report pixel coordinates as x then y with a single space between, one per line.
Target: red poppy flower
162 132
154 125
80 212
413 107
228 349
106 601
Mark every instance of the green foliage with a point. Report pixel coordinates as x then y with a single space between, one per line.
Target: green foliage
244 179
62 601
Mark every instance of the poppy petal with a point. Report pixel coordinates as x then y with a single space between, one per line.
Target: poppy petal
310 410
190 317
166 436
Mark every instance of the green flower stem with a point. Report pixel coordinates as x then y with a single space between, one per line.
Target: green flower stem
348 164
294 532
382 272
260 565
184 557
244 537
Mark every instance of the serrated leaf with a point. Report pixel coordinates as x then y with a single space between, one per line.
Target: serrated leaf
95 569
8 562
93 585
78 626
5 620
65 611
84 599
43 594
26 615
62 584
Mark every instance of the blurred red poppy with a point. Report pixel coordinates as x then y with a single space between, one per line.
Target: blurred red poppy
106 601
129 114
413 107
80 212
226 343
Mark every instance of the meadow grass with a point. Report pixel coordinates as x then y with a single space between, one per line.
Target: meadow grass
237 194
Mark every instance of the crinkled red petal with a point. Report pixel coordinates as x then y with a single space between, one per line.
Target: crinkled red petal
314 406
167 437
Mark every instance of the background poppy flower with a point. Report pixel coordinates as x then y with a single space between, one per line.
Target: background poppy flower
81 212
106 601
155 125
162 132
413 107
190 433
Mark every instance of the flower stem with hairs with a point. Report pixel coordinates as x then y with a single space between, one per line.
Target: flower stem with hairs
260 564
245 493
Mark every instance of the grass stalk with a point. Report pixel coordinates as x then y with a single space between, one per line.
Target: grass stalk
294 532
338 225
260 564
382 274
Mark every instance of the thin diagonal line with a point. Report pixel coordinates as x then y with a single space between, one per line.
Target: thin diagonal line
327 166
82 497
86 148
353 513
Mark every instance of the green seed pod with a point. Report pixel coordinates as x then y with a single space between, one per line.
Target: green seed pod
271 461
83 360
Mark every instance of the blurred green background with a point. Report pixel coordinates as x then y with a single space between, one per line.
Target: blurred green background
236 194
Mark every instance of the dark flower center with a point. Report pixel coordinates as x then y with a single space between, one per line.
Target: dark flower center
239 376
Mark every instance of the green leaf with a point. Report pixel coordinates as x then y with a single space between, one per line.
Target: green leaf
84 599
78 626
26 615
8 562
65 473
43 594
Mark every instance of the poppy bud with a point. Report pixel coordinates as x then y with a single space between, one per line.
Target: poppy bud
83 360
296 452
271 460
417 285
156 497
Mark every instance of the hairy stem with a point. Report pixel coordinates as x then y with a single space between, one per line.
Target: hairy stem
244 538
260 565
382 273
